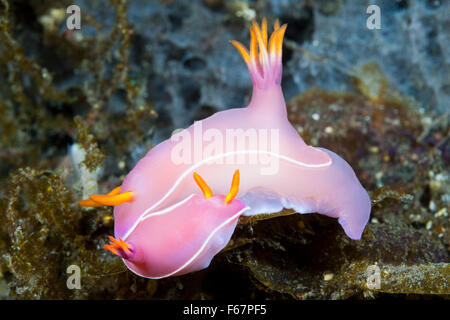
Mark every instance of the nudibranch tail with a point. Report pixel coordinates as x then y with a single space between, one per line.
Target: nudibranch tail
264 58
113 198
119 248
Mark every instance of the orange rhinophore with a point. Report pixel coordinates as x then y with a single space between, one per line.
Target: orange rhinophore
234 188
203 186
113 198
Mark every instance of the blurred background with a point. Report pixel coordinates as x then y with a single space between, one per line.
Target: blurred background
80 107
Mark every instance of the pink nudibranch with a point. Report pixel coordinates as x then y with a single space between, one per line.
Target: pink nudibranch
277 170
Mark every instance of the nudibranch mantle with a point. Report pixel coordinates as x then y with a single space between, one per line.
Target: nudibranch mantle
172 244
277 171
183 237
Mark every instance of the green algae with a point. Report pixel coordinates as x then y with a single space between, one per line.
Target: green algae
89 143
45 232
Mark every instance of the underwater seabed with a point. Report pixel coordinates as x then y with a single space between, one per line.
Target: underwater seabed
103 96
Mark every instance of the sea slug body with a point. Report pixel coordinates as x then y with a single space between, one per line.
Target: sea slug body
181 238
277 170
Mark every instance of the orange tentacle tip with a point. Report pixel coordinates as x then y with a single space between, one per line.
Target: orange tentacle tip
111 249
242 50
114 200
203 186
92 203
89 203
234 187
114 191
119 247
263 58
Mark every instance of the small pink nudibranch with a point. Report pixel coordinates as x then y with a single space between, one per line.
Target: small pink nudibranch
164 228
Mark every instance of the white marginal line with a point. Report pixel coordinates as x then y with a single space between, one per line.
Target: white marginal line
200 163
157 213
199 250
